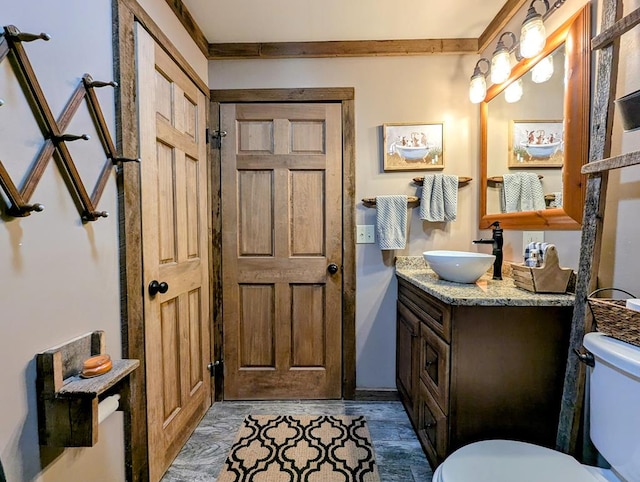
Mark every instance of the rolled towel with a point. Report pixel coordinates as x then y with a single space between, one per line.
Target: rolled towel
391 221
439 200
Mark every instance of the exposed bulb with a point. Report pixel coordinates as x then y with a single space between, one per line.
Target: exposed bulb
513 93
533 37
477 89
500 66
543 70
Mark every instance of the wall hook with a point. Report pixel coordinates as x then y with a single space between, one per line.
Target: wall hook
89 83
94 215
17 36
70 137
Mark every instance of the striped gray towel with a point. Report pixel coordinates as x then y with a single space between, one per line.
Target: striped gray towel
439 198
391 221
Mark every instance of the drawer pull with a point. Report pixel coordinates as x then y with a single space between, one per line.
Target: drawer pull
430 363
430 425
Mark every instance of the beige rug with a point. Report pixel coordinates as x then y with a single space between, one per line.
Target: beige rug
306 448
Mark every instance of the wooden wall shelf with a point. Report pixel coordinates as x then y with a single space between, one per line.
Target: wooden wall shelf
67 403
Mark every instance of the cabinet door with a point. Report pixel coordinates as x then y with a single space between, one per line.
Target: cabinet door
434 366
432 427
407 357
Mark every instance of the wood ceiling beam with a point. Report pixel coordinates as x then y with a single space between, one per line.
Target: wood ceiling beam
499 22
190 25
346 48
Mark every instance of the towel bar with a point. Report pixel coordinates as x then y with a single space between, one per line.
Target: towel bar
462 180
370 202
500 179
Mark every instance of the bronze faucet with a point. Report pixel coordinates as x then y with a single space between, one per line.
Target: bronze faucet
497 241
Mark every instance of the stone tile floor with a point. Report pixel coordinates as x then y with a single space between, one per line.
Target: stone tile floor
398 453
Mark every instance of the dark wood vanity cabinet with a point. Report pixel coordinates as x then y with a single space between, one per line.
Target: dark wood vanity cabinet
469 373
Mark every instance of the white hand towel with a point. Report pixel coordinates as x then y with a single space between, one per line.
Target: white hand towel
511 189
391 221
532 196
439 198
522 191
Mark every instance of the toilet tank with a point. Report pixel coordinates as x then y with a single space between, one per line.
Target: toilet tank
615 402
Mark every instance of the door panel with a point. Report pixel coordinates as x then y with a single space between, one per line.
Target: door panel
174 245
282 227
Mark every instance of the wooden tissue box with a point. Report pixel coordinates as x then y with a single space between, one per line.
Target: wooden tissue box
548 278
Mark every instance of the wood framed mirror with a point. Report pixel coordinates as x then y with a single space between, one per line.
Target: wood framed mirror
562 111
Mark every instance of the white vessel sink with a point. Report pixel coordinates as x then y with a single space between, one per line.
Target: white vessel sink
459 266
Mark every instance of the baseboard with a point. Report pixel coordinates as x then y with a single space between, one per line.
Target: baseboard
377 395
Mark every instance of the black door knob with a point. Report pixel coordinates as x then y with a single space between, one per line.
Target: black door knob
156 287
332 268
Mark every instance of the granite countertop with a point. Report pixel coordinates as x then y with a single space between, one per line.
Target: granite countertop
484 292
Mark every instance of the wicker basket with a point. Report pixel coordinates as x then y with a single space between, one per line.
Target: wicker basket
613 318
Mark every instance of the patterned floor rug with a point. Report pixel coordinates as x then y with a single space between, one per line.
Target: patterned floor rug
302 448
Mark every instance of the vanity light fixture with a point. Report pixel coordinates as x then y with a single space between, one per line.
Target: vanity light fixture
478 84
501 59
533 35
543 70
513 93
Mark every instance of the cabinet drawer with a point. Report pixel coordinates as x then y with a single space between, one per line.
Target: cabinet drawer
432 427
429 309
434 366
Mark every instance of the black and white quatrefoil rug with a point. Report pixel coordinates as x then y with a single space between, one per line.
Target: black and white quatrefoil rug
307 448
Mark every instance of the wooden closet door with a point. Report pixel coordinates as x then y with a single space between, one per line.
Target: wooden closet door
282 250
172 113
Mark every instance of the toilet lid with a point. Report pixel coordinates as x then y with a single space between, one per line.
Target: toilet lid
509 461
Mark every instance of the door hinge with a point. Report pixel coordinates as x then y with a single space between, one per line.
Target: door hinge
214 367
216 137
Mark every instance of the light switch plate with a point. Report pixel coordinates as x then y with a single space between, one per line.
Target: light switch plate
531 237
365 234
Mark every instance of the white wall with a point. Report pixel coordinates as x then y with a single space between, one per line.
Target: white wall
59 278
619 263
387 90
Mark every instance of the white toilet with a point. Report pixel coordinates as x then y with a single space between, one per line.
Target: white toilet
615 431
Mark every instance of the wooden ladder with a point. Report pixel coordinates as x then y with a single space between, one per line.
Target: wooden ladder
597 169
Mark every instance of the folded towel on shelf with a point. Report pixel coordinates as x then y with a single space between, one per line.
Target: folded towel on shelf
522 191
391 221
439 198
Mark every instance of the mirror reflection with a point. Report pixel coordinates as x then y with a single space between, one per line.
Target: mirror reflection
534 133
525 148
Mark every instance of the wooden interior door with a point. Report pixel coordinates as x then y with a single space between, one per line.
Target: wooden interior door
172 116
282 250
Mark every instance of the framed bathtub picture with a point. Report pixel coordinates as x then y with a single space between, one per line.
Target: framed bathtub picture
413 147
536 144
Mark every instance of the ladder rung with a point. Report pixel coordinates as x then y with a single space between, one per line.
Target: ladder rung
624 160
616 30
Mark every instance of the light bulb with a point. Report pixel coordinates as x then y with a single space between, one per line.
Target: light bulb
500 66
513 93
543 70
533 37
477 89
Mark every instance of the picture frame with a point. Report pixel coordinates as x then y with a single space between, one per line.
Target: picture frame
536 143
413 146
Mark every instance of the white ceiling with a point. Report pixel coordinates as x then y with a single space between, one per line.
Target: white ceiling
318 20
